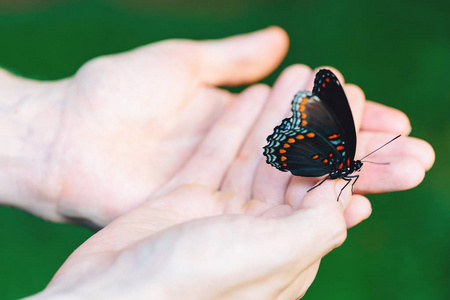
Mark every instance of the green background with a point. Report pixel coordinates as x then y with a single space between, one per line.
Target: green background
397 51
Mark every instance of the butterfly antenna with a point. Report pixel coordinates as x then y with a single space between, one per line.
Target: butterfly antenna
376 163
382 146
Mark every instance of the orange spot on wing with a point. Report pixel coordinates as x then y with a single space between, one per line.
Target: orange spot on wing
315 156
301 108
340 166
303 115
310 134
283 158
323 84
300 137
303 122
325 161
284 164
348 162
291 140
282 151
286 146
340 147
327 80
333 136
304 100
331 155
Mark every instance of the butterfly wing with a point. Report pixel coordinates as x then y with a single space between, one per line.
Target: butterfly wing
309 142
328 88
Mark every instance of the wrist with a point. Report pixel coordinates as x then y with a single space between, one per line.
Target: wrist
30 112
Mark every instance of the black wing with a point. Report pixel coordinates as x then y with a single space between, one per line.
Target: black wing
328 88
308 143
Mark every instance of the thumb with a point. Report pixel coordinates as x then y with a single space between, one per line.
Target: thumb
243 58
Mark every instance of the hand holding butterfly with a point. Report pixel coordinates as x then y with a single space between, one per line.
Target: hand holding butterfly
228 225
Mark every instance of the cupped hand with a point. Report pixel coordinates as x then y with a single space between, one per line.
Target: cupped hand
229 225
236 256
130 122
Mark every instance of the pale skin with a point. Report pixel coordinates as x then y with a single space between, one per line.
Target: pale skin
147 138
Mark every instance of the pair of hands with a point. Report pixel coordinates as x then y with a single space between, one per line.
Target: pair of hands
147 135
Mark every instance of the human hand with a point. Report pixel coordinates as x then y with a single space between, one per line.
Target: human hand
263 236
224 257
125 124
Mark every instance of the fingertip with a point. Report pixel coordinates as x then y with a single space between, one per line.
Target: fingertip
256 95
402 124
291 80
419 149
415 174
428 156
258 88
243 58
278 33
358 210
295 71
409 173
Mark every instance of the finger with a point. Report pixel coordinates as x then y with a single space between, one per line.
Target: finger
242 59
318 226
404 146
356 100
268 184
401 173
357 211
297 189
379 117
221 144
212 101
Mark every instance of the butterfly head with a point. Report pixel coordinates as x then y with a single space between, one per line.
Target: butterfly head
358 165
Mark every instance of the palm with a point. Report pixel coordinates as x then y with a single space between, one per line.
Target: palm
132 120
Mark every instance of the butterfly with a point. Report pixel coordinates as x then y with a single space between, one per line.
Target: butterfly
320 137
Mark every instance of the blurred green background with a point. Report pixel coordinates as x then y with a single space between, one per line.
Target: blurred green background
397 51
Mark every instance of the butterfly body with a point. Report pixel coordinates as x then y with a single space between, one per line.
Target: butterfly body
320 137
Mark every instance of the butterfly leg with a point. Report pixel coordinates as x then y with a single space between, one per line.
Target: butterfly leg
348 179
318 184
356 179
